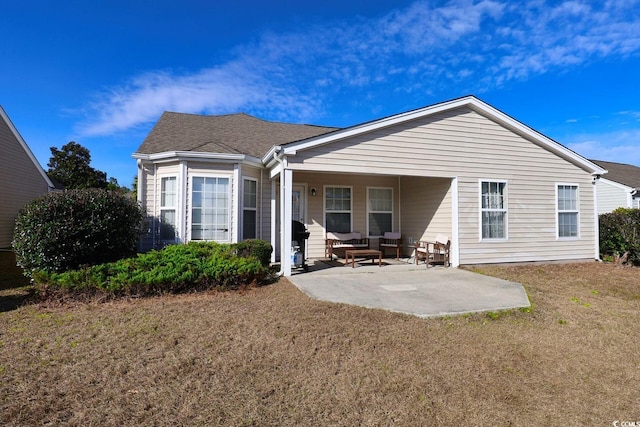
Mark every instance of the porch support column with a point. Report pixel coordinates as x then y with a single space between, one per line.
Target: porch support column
455 220
286 182
274 210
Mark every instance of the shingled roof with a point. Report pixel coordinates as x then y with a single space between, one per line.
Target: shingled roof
621 173
228 134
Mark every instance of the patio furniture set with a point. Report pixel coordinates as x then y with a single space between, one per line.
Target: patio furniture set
354 245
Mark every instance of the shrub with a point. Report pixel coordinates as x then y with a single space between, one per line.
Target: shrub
176 268
620 235
65 230
258 248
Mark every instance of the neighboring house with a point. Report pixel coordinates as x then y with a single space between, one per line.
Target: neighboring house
21 178
620 187
502 191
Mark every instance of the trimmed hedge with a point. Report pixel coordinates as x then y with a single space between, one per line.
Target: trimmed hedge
174 269
620 236
258 248
65 230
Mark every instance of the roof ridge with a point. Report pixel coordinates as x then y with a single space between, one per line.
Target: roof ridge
242 113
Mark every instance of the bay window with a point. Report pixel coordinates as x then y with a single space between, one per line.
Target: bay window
168 205
250 209
210 208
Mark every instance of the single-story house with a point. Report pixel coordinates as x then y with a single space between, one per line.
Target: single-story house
500 190
22 179
619 188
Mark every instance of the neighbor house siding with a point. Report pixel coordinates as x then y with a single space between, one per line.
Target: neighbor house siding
463 143
612 195
21 181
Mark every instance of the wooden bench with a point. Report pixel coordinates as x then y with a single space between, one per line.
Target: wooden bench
344 241
362 253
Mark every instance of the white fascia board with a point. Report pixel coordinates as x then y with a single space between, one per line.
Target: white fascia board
25 147
467 101
275 171
170 156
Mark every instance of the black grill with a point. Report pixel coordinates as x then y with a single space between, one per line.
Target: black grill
300 234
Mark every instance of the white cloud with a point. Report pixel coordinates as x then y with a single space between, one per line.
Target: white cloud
211 91
618 146
466 44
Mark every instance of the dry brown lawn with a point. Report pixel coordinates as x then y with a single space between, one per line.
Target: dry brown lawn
272 356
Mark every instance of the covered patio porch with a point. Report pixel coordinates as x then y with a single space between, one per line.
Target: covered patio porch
417 207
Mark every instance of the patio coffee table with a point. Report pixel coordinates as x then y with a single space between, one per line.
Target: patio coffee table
362 253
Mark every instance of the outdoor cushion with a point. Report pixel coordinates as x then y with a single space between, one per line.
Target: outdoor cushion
344 236
391 235
343 241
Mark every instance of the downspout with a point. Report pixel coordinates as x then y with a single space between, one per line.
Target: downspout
596 217
400 204
261 208
280 160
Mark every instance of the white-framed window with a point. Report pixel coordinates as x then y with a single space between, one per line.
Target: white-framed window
493 209
379 211
168 205
568 212
337 209
249 208
210 208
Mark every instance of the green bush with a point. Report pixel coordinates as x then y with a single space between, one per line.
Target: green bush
65 230
620 235
258 248
176 268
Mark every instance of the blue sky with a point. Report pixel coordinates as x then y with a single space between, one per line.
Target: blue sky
101 72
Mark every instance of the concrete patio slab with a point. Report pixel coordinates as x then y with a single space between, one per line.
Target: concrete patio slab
412 289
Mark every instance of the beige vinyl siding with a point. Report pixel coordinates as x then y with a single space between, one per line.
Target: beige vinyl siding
464 144
426 210
21 181
154 187
315 204
611 196
147 196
